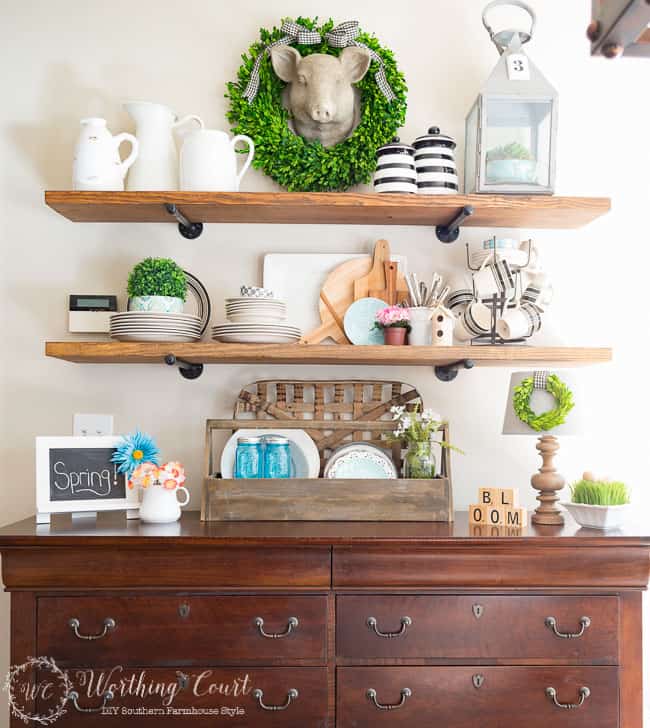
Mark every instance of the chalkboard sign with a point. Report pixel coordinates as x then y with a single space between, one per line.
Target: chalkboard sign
75 474
84 473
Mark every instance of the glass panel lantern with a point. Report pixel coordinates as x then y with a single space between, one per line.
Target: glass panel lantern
510 131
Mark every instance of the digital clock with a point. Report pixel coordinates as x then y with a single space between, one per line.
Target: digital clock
90 314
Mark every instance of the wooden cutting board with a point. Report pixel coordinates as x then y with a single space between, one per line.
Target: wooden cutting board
383 280
336 296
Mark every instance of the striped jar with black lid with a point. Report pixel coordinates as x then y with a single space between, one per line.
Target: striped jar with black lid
395 168
435 163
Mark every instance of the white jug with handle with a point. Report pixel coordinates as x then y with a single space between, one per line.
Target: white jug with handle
97 164
160 504
209 161
157 165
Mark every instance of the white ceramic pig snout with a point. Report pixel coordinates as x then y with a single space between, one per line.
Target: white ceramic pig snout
323 114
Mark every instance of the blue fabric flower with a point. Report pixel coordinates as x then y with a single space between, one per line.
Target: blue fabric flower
134 450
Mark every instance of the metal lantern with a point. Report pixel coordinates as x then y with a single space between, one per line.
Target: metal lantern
510 132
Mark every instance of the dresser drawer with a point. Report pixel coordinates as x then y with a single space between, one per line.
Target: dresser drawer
163 630
478 627
200 698
515 697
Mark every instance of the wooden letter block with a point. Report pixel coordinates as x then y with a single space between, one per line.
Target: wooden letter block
488 496
508 497
515 517
477 514
495 515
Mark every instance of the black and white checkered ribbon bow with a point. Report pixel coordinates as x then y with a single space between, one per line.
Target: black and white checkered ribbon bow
342 36
540 379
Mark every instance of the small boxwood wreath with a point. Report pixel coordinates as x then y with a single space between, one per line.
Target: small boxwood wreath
545 420
296 163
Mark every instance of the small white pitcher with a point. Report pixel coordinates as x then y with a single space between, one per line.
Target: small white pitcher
160 505
97 164
209 161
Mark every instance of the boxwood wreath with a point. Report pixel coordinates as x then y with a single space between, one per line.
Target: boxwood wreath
307 166
545 420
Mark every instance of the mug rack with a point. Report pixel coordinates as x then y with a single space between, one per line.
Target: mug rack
499 302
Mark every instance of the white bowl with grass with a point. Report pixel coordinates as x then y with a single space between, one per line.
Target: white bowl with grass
602 504
601 517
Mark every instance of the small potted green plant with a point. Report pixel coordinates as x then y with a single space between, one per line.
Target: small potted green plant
157 284
512 163
598 503
416 431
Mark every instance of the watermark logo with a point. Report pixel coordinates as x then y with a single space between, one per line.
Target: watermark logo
39 680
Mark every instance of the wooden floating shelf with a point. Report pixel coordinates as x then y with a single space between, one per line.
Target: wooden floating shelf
109 352
330 208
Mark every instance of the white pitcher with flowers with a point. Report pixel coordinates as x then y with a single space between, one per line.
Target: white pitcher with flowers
160 488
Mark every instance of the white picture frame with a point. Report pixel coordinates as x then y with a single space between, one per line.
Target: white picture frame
45 506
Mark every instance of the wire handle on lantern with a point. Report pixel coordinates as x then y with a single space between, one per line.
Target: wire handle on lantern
502 39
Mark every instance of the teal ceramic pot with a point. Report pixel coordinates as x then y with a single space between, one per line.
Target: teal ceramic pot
512 171
159 304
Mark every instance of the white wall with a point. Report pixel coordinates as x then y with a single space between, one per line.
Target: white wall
65 60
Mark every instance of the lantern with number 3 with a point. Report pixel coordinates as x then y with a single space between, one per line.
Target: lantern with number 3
511 129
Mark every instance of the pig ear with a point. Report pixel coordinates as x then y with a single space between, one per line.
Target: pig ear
285 60
355 62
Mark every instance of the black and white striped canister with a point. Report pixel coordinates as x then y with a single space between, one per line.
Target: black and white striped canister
395 168
435 163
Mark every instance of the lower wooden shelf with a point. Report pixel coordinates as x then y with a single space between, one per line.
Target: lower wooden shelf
112 352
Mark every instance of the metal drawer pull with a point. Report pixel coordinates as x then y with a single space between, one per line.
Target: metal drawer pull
109 625
74 696
291 625
291 695
371 694
584 694
551 623
404 621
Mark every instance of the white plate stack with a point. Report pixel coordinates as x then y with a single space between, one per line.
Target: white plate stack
153 326
256 320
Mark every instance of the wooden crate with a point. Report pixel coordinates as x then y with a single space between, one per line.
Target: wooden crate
320 499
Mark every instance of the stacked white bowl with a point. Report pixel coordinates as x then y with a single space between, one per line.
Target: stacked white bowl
256 317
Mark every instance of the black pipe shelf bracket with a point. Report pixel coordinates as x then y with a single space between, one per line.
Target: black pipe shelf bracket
188 229
187 369
449 233
449 372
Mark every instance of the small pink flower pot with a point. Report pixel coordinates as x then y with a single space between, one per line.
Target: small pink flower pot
395 335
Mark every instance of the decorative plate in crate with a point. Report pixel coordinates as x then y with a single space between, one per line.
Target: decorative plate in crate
332 413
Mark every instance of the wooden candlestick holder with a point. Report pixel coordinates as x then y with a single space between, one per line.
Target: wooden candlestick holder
548 481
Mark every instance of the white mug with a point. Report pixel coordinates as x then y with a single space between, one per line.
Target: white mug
160 504
494 279
476 320
519 322
209 161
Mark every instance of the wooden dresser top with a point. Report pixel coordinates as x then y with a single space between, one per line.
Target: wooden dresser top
113 529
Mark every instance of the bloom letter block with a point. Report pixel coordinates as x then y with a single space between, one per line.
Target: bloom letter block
498 507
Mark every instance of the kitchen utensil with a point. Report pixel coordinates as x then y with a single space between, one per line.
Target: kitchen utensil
359 322
395 168
389 293
304 453
208 161
97 164
358 460
156 167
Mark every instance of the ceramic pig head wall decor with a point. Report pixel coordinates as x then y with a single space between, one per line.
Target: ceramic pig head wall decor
321 97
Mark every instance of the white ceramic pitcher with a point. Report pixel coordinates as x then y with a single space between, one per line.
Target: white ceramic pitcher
160 504
209 161
157 165
97 164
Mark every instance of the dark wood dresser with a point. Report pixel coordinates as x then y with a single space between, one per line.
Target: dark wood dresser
331 624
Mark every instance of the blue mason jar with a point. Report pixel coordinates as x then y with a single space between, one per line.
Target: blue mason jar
277 457
248 458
